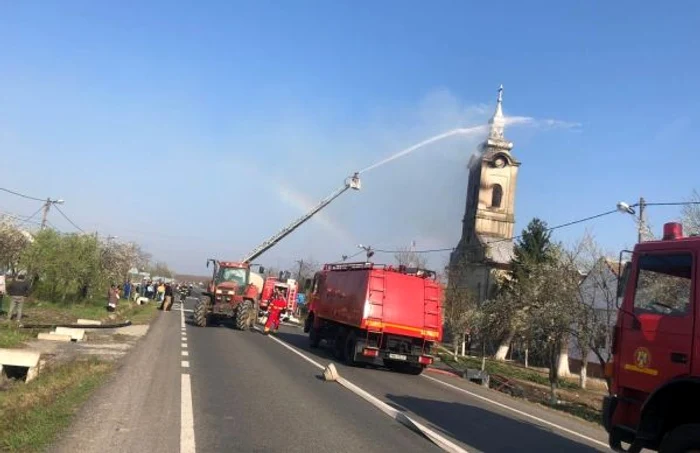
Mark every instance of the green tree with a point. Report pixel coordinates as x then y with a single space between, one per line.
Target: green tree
534 246
532 249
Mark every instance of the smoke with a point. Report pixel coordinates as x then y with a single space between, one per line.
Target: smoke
407 196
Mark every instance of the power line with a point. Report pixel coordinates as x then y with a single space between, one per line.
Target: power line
21 195
563 225
678 203
345 257
28 219
22 219
69 220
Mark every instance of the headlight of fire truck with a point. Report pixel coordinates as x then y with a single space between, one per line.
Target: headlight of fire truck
218 291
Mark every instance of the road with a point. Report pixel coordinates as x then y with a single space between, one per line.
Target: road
217 389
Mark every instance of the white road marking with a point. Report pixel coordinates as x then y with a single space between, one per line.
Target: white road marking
187 444
441 441
519 412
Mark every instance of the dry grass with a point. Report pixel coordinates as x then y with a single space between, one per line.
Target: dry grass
32 414
533 385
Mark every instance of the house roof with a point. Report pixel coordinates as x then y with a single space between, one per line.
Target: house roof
498 250
614 266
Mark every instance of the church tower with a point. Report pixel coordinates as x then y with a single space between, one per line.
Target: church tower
489 215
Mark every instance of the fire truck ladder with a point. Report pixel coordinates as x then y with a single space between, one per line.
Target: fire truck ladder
353 182
431 312
375 324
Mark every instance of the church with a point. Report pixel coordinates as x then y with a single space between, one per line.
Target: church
485 249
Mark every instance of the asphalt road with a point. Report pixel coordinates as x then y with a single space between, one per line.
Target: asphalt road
251 394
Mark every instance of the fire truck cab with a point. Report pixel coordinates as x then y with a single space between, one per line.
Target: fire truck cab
654 400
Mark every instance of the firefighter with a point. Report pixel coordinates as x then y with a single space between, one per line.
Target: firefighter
274 310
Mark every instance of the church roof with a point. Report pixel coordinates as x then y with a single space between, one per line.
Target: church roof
498 250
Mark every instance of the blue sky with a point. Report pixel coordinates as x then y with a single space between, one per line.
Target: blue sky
198 129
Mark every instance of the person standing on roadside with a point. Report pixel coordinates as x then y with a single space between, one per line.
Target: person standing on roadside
112 298
161 292
127 290
18 291
168 297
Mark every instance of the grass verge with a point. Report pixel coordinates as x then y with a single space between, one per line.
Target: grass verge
504 369
533 385
12 336
32 414
42 312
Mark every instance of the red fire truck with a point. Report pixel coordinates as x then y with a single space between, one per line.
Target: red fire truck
376 314
654 400
287 286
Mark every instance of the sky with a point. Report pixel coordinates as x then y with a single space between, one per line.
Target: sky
199 129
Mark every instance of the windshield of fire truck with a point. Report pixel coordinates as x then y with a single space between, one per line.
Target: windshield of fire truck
235 275
663 284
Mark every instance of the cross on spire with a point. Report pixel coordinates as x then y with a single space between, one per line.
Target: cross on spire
498 121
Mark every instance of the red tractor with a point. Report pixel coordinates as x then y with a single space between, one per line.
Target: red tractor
232 293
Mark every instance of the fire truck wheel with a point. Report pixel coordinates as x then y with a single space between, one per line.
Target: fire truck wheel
314 338
350 345
244 311
684 438
339 346
199 315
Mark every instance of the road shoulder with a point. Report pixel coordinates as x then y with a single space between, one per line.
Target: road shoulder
138 408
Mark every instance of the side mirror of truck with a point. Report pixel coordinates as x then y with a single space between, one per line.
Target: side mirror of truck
307 284
261 270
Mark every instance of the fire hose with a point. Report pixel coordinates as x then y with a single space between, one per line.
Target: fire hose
75 326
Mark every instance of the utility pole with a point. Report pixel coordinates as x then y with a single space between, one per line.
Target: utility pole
301 265
47 206
642 221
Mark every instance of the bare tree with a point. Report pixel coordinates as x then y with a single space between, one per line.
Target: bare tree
13 240
409 258
306 268
592 329
460 306
552 309
691 215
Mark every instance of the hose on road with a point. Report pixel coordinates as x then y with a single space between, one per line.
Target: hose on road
75 326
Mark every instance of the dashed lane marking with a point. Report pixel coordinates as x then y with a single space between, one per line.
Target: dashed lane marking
187 443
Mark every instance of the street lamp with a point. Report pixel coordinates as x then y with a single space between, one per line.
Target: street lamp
368 250
627 208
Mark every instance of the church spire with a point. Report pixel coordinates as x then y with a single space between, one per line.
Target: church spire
498 121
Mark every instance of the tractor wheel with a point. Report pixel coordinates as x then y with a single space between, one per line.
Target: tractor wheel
200 315
244 313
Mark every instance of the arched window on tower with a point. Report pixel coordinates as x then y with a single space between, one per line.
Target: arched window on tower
496 196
